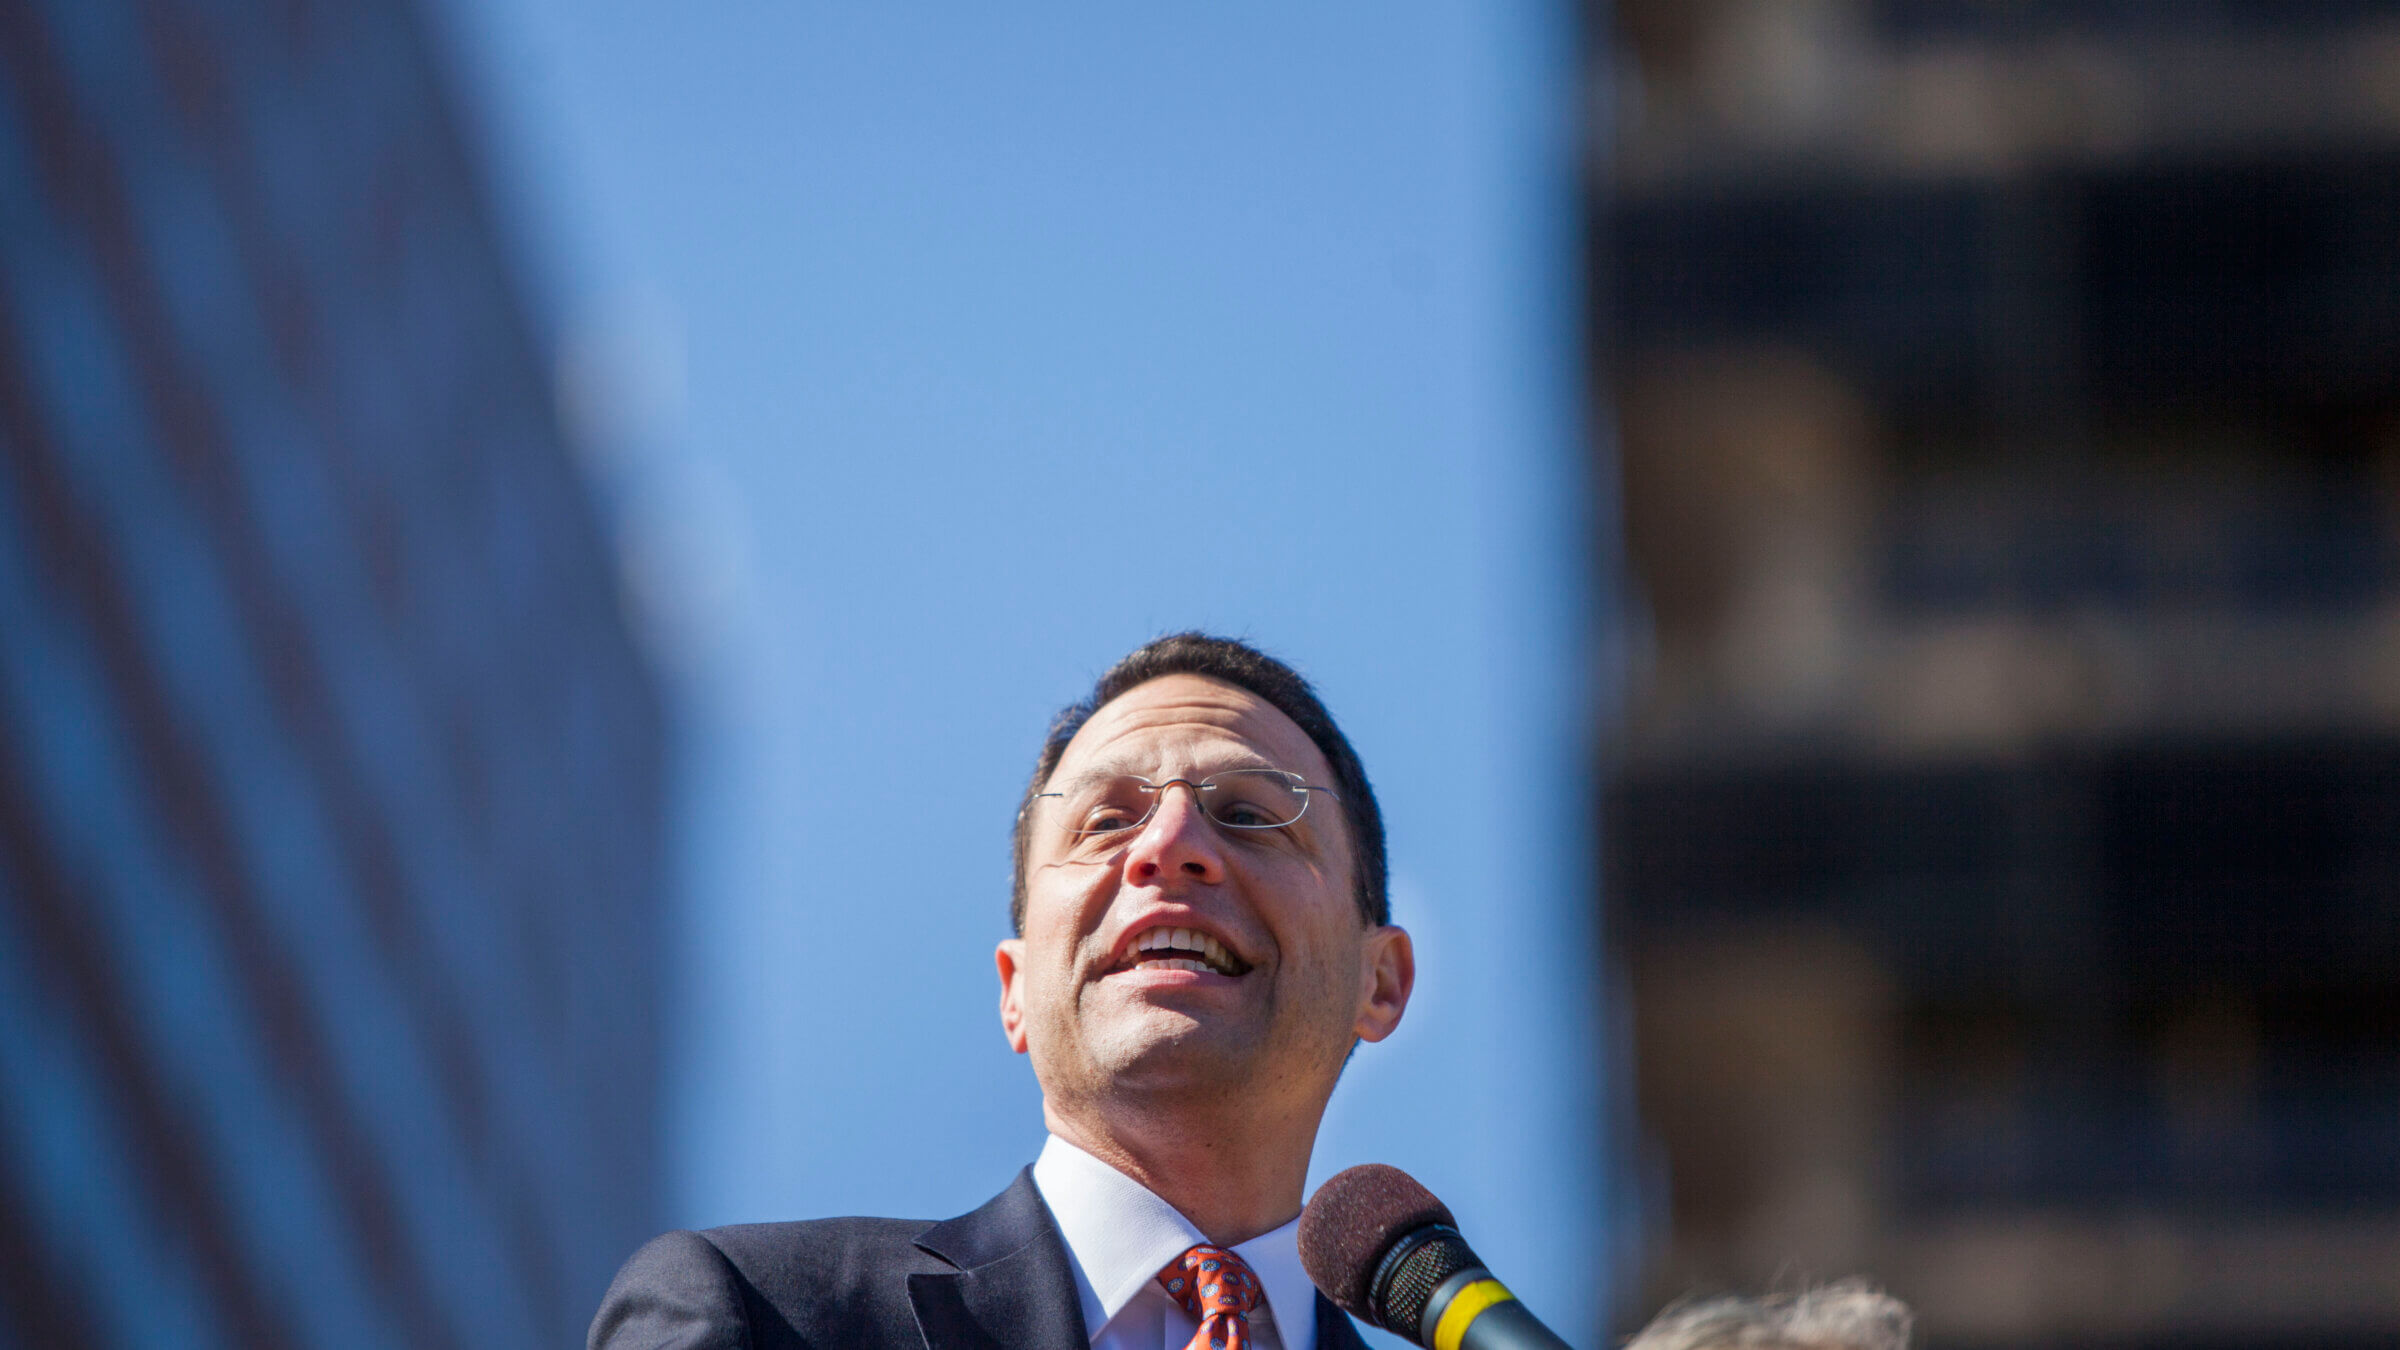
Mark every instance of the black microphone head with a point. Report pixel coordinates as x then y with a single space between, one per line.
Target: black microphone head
1351 1223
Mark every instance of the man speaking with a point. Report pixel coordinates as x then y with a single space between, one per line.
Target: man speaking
1202 937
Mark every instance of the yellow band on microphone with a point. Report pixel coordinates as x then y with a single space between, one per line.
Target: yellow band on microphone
1465 1306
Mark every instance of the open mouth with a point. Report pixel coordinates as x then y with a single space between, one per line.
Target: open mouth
1182 949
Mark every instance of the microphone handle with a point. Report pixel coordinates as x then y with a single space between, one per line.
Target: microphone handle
1473 1311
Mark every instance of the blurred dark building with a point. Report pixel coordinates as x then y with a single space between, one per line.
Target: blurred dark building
2005 836
331 881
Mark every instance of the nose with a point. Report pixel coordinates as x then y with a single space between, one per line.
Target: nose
1178 840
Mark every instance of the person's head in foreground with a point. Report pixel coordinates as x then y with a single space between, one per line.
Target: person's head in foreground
1848 1315
1199 939
1201 927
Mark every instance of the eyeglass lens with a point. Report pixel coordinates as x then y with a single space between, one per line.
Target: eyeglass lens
1242 799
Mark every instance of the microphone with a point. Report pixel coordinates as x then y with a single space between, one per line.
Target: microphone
1386 1252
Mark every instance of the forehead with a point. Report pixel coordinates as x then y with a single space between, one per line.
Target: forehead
1186 721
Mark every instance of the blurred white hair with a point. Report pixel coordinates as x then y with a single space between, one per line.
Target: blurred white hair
1845 1315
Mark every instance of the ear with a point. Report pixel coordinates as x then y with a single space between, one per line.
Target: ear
1385 978
1009 957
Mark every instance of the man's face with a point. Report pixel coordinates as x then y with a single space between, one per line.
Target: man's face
1296 975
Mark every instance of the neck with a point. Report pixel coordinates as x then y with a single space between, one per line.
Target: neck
1234 1178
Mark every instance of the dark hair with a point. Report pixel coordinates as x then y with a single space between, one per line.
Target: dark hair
1244 667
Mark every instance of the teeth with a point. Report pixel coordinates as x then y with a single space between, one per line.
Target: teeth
1213 954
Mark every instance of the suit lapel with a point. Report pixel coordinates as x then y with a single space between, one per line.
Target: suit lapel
1334 1331
1014 1285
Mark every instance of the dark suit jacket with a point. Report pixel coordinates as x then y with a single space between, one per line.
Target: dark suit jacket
999 1276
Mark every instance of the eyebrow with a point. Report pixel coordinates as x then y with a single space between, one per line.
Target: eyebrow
1124 769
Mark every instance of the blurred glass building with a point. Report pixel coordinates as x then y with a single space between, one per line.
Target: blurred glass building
331 774
2005 830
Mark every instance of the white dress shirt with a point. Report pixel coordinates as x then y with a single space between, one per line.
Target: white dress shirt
1119 1236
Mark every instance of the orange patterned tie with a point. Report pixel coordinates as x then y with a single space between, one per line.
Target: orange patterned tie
1214 1286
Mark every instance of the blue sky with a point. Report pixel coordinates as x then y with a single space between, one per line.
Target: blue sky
936 355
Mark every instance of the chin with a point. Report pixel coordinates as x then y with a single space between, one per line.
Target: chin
1166 1049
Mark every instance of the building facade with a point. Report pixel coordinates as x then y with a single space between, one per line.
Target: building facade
2002 836
332 775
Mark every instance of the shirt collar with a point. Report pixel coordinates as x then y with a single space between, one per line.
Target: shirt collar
1275 1258
1120 1236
